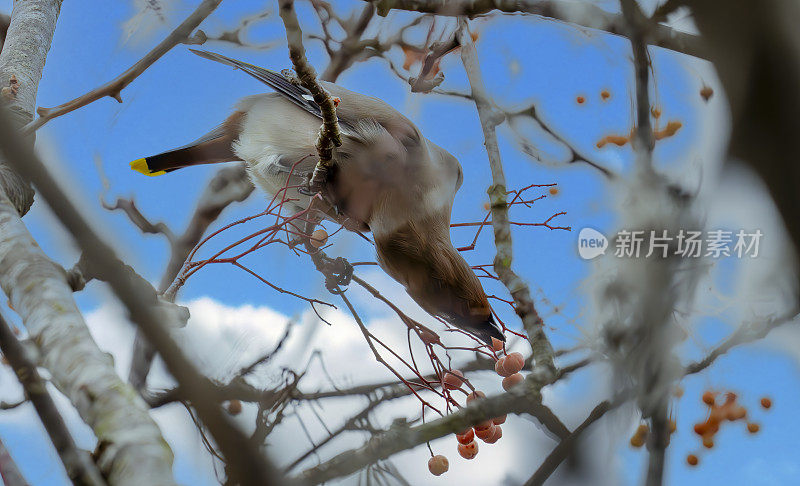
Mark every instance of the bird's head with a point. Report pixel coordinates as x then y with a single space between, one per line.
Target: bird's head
420 256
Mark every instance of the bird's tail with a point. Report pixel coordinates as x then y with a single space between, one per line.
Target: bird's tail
216 146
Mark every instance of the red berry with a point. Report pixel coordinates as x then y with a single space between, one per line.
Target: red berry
510 381
485 433
438 465
499 420
453 379
483 426
513 363
468 451
499 368
475 395
496 434
766 402
466 437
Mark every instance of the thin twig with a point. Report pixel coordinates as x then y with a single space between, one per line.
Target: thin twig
114 87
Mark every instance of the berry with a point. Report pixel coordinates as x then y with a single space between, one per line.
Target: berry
499 367
513 363
708 442
766 402
234 407
485 433
453 380
691 459
708 398
438 465
553 191
580 100
466 437
510 381
753 427
468 451
605 94
499 420
475 395
707 92
496 434
318 238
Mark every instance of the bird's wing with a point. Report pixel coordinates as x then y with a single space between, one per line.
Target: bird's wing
298 95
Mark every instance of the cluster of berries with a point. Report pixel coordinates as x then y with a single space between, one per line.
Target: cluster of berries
489 431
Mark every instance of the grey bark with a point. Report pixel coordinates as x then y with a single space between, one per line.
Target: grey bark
22 59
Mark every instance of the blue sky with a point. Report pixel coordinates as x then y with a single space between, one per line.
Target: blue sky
524 60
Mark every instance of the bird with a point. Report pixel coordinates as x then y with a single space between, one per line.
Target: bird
387 179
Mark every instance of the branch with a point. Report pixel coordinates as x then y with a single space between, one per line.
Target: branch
114 87
30 33
521 399
78 464
248 466
566 446
533 323
9 472
229 185
329 132
581 14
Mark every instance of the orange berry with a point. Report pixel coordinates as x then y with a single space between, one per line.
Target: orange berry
475 396
753 427
318 238
234 407
708 398
466 437
706 92
692 460
513 363
484 434
510 381
766 402
499 420
496 434
708 442
499 367
553 191
701 428
438 465
483 426
605 94
637 440
453 380
497 345
468 451
580 100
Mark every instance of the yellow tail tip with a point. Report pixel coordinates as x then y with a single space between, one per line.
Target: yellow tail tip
140 165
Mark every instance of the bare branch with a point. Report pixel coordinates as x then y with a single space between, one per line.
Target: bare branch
9 472
248 466
581 14
533 323
329 132
114 87
78 464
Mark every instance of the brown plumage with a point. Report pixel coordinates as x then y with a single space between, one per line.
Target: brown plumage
387 179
